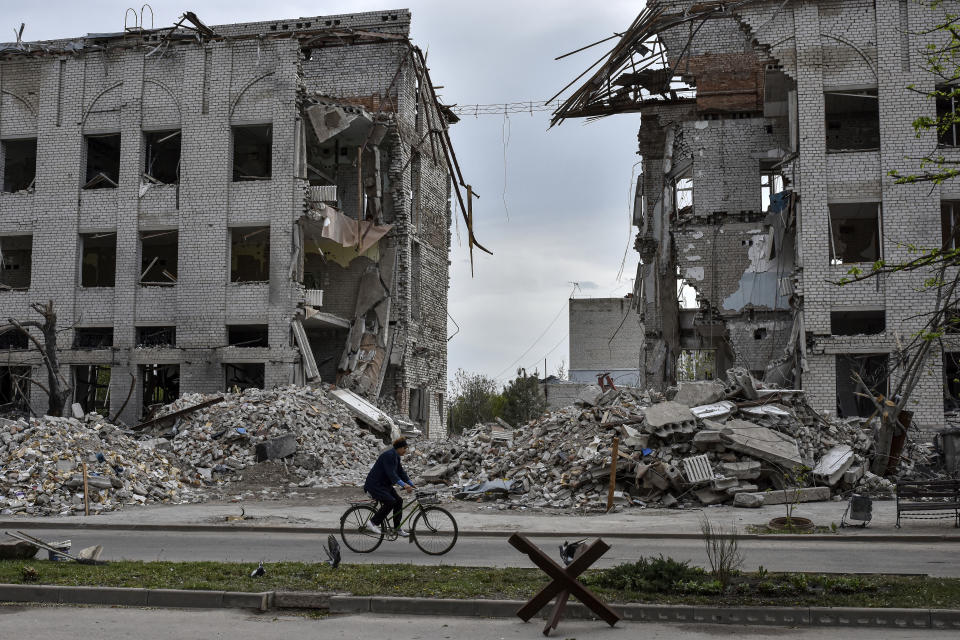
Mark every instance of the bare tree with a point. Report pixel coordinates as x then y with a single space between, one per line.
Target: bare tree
57 389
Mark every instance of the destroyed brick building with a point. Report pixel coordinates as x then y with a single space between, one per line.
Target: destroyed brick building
243 205
768 132
605 338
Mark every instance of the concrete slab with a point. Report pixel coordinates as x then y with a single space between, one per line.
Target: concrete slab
715 411
806 494
694 394
763 443
665 413
833 464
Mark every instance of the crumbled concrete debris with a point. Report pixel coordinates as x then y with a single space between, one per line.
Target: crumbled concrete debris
40 461
751 440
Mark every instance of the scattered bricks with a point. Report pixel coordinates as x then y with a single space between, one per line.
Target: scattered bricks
276 448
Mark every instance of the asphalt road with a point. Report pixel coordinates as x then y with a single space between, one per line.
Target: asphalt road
852 556
58 622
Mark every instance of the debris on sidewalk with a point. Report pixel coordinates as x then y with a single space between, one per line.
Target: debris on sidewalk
711 443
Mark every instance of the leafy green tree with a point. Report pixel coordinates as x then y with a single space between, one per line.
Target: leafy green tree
524 398
474 398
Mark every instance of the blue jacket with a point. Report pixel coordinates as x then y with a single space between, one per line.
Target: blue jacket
387 471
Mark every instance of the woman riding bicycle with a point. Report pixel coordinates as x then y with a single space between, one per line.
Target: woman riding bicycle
385 473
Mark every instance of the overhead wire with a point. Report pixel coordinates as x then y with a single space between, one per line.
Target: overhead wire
540 337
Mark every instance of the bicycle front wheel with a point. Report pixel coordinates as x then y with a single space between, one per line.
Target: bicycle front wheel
434 530
358 539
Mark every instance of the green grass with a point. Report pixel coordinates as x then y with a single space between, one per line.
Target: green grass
757 589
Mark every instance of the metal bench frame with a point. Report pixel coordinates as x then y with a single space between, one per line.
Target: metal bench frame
923 497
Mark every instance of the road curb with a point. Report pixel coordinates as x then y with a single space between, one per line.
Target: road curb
942 619
498 533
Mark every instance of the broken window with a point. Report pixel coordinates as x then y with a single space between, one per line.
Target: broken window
419 406
872 369
683 196
156 336
14 339
161 384
92 388
92 337
852 120
951 381
244 375
947 107
252 152
162 159
771 182
950 224
158 258
851 323
247 335
415 281
14 389
16 258
696 364
855 232
250 254
103 161
19 164
98 261
686 293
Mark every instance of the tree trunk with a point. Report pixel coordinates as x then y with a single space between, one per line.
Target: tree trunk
57 396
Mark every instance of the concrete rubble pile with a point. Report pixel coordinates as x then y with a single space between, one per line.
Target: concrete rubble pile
314 435
41 468
710 443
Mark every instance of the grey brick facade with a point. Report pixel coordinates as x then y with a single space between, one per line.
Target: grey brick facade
62 92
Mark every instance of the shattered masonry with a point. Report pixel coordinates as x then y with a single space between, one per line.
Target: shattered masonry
768 131
189 198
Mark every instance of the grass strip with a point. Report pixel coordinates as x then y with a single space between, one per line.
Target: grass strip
766 589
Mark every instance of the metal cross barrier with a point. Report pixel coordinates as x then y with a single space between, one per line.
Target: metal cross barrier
564 582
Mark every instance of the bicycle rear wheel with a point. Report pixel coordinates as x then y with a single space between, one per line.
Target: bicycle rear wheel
434 530
358 539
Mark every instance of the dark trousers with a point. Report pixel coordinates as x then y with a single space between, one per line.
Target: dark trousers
389 500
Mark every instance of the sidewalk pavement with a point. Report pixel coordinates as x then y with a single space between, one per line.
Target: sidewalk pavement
484 519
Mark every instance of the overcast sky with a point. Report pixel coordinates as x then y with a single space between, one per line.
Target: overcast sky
554 205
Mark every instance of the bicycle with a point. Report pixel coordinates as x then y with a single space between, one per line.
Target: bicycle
434 530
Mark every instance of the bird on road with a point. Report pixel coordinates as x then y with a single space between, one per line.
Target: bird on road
333 552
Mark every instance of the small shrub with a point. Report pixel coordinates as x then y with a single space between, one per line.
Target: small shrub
659 575
29 574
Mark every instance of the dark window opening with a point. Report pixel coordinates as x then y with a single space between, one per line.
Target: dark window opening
161 385
16 259
14 389
103 162
92 337
156 336
252 152
14 339
851 323
872 369
250 254
948 136
92 388
951 381
951 320
852 120
162 160
950 224
19 164
158 258
854 232
314 267
247 335
244 375
760 333
419 406
99 259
